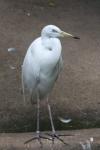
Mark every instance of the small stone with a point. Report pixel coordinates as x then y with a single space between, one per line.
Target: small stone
28 14
12 67
12 49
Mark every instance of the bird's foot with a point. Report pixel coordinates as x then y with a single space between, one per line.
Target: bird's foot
57 136
38 137
47 136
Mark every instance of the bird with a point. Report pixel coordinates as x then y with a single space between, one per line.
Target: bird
40 69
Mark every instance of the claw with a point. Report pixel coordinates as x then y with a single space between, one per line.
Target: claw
54 135
38 137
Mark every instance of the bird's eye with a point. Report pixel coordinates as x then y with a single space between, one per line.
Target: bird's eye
53 30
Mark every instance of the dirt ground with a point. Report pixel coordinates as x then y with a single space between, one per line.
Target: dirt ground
77 92
74 140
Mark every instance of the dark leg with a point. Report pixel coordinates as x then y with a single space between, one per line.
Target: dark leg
38 124
51 121
38 136
38 115
53 135
38 120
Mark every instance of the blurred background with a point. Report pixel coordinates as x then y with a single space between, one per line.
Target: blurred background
76 94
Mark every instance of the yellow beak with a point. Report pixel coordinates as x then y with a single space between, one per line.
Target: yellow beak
65 34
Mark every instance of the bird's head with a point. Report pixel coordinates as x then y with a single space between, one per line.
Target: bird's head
52 31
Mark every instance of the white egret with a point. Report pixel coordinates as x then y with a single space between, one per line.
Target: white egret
40 70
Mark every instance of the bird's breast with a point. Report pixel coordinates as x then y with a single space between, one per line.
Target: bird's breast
49 55
49 60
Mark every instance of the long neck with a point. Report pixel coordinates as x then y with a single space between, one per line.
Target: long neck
46 41
49 42
52 44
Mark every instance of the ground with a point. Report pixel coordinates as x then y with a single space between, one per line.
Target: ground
77 92
75 140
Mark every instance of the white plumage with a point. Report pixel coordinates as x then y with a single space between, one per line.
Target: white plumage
41 67
43 62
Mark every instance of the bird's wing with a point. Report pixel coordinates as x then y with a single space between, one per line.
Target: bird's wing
30 72
59 66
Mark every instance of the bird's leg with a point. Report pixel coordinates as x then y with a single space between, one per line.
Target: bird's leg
53 135
38 123
50 115
38 136
38 120
38 115
51 121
